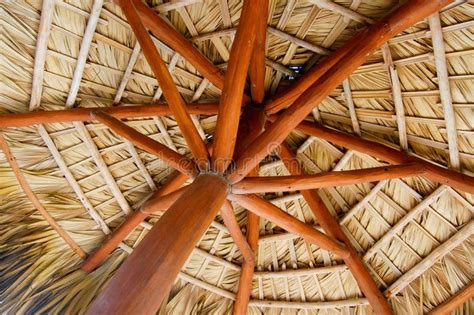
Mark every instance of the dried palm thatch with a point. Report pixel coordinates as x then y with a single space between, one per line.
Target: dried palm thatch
414 235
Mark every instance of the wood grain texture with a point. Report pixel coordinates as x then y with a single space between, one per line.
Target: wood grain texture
257 62
130 223
228 118
252 123
170 91
171 37
142 282
405 16
273 184
83 114
271 212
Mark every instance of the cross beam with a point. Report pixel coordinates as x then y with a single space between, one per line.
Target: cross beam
84 114
433 172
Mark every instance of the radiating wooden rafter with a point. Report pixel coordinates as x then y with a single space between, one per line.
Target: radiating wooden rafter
183 202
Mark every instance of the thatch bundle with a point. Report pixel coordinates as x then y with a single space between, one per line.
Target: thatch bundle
426 261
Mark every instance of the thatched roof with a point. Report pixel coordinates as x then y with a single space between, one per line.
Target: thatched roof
414 235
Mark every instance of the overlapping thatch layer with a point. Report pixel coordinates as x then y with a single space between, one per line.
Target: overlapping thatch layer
414 235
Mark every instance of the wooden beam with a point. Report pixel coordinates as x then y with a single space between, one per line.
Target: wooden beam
433 172
345 12
445 90
141 283
227 213
170 91
373 38
267 210
83 114
84 52
333 229
257 64
128 72
46 21
174 159
252 123
396 96
268 184
246 273
165 32
130 223
455 301
159 204
346 86
404 16
225 134
35 201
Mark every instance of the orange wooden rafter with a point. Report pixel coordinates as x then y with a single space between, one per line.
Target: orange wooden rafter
227 213
165 32
405 16
225 134
268 184
331 226
174 159
252 123
257 64
448 306
170 91
433 172
83 114
272 213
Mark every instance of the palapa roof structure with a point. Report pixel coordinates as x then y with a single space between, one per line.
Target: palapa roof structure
381 222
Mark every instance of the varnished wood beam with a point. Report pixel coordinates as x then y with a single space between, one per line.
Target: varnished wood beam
174 159
165 32
83 114
268 184
130 223
142 282
455 301
407 15
433 172
257 63
231 98
252 123
166 83
227 213
267 210
332 228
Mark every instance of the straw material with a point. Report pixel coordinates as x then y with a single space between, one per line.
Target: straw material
39 273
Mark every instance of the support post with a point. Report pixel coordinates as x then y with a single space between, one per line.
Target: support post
144 279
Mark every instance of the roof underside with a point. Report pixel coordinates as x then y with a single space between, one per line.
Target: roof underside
426 261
